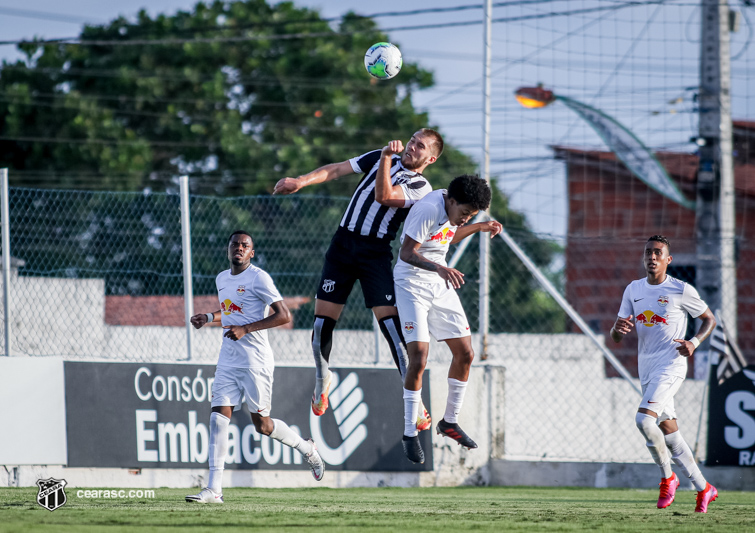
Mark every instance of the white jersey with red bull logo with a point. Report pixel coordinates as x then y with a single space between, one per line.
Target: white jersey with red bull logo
660 313
245 298
427 224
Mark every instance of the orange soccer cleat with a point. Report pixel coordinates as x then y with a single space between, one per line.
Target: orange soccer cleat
320 405
704 497
668 491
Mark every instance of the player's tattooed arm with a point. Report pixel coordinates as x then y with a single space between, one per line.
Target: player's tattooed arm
201 319
409 254
687 347
321 175
279 315
385 192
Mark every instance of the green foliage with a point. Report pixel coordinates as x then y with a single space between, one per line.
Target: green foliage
224 99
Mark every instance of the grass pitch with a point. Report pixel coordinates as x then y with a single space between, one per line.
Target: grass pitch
383 509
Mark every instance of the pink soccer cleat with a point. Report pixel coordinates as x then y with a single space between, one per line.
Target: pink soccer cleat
668 491
704 497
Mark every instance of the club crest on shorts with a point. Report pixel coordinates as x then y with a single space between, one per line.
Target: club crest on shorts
388 297
408 327
51 494
328 285
241 290
663 301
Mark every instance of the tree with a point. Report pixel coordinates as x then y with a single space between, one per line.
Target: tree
235 94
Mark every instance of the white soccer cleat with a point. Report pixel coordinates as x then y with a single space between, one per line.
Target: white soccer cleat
315 462
206 495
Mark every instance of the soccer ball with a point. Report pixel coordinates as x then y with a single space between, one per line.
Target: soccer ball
383 61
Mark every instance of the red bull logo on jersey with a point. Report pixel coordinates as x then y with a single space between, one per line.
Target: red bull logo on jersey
228 307
663 301
650 319
444 236
241 290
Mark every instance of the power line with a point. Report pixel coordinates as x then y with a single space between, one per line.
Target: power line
305 35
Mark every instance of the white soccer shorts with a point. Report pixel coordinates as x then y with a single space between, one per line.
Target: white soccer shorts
234 386
658 396
430 309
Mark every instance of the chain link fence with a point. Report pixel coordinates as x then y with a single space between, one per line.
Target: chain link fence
98 276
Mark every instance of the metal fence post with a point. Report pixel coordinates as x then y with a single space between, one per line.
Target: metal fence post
187 271
5 214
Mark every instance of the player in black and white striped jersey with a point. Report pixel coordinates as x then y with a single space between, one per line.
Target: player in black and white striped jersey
361 248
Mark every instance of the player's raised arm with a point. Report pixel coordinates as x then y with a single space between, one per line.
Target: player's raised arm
321 175
490 226
409 254
385 192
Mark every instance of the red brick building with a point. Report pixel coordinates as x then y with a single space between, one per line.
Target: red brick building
611 215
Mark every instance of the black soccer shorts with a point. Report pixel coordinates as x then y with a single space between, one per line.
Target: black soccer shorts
352 257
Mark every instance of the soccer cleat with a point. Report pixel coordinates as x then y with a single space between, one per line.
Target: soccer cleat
423 418
413 449
668 491
456 433
319 406
315 462
206 495
704 497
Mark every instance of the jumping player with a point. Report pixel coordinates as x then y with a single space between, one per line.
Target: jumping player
428 303
659 304
245 366
361 248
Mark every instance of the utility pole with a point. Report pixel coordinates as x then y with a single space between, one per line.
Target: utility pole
715 216
484 306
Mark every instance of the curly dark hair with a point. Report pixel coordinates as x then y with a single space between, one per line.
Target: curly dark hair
661 239
471 190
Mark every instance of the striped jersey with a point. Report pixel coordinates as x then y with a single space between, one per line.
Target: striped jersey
364 216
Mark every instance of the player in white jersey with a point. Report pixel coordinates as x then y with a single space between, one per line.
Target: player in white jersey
361 248
427 300
245 367
659 304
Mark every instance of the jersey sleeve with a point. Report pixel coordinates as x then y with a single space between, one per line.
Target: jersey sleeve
415 190
265 288
420 222
364 162
626 308
691 301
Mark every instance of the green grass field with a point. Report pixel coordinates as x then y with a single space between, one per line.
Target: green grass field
385 509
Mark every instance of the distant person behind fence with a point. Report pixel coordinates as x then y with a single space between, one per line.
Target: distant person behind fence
361 248
659 304
245 366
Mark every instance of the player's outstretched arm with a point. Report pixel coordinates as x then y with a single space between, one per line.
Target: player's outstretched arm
279 315
408 254
491 226
621 328
321 175
385 193
687 347
201 319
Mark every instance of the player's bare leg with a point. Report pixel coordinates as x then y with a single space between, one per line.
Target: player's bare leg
390 327
458 375
326 315
418 352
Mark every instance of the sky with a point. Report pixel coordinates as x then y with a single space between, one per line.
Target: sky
636 63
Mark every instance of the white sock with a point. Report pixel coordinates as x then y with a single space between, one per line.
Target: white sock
648 426
286 435
218 450
412 399
682 456
456 390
